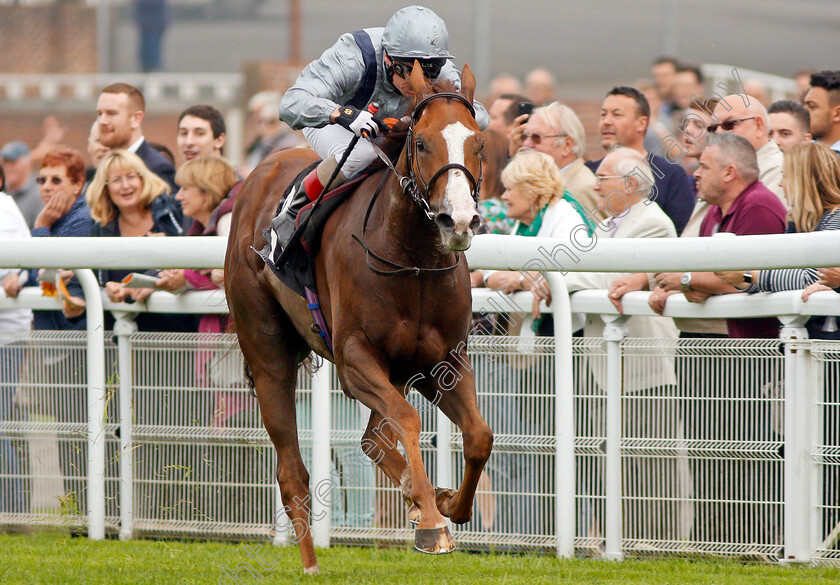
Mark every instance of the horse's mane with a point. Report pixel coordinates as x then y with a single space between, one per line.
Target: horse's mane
444 86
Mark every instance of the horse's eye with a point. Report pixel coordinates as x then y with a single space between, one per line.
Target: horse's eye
420 146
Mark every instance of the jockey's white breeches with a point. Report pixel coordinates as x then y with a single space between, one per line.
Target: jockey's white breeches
332 140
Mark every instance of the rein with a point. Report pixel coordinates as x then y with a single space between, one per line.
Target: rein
399 268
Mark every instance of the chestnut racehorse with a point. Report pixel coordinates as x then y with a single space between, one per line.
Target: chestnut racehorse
395 289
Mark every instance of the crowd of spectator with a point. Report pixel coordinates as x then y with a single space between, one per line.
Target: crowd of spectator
131 188
746 166
714 186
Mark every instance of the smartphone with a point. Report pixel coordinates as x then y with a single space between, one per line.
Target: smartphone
525 108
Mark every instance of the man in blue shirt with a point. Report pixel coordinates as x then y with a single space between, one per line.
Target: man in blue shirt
625 114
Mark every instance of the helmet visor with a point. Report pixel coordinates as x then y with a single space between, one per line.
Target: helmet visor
431 67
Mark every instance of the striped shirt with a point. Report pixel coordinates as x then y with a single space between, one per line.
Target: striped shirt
796 278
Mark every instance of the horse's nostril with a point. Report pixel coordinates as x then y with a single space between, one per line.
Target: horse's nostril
475 223
444 220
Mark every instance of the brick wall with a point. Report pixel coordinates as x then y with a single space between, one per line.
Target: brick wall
53 38
61 38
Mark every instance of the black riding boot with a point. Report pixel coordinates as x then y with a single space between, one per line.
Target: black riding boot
284 224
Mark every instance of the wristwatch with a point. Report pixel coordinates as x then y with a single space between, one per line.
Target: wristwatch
685 281
748 277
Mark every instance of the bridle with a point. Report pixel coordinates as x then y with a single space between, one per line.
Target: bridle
413 184
415 190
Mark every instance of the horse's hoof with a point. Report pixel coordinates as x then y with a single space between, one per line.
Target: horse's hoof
312 570
444 500
433 541
442 494
414 514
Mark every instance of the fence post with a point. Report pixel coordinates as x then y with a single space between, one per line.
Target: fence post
444 455
96 403
124 328
564 418
614 334
799 393
321 456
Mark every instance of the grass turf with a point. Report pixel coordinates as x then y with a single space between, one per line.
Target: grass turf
55 558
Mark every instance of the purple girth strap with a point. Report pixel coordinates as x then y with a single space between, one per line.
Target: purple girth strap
318 315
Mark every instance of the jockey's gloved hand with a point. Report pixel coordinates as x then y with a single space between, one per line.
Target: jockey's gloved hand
359 122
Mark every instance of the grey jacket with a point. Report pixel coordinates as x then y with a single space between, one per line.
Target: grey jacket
333 79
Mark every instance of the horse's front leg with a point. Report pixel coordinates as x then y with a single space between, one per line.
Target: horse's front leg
453 390
364 376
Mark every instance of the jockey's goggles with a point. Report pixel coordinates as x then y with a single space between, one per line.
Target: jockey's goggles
431 67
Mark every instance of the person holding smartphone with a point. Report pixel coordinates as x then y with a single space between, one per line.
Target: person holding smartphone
557 131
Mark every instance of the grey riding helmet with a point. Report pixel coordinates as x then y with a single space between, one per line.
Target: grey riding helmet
416 32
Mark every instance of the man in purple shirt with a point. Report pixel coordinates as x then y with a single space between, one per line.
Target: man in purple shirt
740 204
727 178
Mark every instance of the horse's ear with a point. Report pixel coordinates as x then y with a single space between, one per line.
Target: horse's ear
417 81
467 83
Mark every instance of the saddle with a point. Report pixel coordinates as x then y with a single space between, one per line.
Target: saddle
298 271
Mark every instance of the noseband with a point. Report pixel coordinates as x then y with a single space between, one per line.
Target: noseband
413 184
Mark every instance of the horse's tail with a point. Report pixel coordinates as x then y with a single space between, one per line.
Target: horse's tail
312 363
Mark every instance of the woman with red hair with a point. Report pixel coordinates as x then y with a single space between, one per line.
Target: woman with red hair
65 214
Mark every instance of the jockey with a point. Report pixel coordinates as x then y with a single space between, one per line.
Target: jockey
330 97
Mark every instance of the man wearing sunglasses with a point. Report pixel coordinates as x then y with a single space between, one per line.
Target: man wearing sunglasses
557 131
330 98
745 116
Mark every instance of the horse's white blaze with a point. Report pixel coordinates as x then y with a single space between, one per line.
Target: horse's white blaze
458 199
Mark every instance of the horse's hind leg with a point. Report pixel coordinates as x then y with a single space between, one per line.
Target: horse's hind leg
379 443
271 348
461 407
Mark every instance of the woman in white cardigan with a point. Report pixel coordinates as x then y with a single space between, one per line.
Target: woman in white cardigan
537 199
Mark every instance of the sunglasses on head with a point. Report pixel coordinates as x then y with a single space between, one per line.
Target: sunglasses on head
53 180
727 126
537 138
431 67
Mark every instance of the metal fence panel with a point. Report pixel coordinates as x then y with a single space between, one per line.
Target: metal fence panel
44 430
826 451
514 507
203 464
702 445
